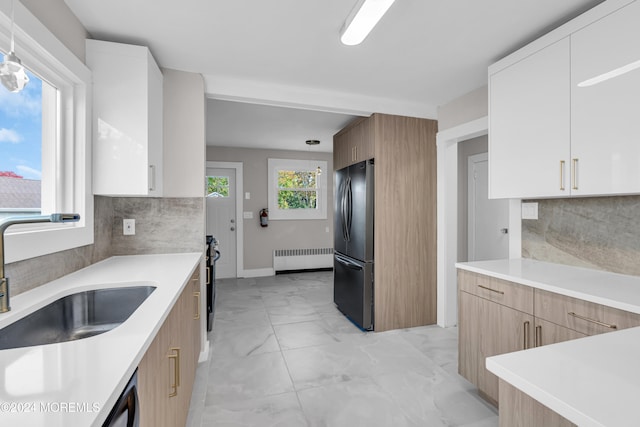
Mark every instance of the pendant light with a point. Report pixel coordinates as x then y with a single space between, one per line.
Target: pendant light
12 73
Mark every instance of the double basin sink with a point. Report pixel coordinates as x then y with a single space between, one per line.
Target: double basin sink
76 316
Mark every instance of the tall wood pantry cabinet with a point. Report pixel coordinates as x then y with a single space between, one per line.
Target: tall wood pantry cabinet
404 151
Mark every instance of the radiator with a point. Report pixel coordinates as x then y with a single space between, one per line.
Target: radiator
302 259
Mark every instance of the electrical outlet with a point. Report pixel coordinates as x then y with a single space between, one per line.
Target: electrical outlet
128 227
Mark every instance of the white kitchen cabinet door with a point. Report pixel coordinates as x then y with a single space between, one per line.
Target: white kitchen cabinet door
127 120
605 112
529 126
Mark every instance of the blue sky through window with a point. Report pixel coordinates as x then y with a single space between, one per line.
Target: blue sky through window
21 130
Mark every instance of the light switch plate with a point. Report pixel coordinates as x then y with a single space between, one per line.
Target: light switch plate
530 210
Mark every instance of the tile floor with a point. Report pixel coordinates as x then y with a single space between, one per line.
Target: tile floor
283 355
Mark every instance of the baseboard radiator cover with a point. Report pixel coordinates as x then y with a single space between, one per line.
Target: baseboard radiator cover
302 259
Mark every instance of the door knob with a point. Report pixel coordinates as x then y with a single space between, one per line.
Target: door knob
233 228
232 221
504 230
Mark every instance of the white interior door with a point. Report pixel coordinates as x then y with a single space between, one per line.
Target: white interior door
221 218
488 219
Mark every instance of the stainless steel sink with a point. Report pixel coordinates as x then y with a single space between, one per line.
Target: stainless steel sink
75 316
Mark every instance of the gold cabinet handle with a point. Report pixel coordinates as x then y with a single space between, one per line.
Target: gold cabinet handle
574 175
176 370
561 175
526 335
197 296
538 336
597 322
492 290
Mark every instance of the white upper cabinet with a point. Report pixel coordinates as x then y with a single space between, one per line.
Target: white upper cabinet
605 104
564 111
529 125
127 120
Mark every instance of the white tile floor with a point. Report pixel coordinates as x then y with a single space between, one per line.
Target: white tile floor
283 355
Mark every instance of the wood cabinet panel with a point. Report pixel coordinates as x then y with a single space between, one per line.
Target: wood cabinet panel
405 222
166 381
546 333
354 143
620 318
511 294
521 410
572 313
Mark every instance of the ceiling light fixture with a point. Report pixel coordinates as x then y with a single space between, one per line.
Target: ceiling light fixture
312 142
364 16
12 73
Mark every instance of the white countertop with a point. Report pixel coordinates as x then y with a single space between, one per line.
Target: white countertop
77 383
610 289
593 381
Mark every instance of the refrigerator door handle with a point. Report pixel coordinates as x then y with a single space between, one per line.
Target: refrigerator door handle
347 263
343 214
349 208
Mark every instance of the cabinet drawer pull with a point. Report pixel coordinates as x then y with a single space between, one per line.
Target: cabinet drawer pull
538 336
574 175
597 322
526 335
561 175
492 290
196 316
176 371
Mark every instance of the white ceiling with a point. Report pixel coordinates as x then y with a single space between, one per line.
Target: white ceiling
422 54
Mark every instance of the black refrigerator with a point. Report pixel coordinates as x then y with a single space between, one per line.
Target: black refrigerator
353 243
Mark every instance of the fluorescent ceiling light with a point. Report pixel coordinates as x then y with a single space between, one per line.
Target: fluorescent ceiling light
610 74
364 16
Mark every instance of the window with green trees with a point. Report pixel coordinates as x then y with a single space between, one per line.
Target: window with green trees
297 189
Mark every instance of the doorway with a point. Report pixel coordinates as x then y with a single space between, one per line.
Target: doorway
223 202
488 220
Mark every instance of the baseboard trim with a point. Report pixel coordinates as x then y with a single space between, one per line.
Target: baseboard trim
258 272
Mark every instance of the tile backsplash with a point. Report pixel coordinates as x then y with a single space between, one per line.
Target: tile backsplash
601 233
163 225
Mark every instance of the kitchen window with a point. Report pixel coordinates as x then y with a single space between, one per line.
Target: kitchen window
65 165
297 189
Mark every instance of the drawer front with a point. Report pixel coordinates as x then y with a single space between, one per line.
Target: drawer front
513 295
546 333
582 316
622 319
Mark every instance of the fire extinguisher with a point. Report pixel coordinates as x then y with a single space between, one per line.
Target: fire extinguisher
264 217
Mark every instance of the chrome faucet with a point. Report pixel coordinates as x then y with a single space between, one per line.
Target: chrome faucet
7 222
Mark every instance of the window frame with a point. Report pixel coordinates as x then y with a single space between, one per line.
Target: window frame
69 166
276 165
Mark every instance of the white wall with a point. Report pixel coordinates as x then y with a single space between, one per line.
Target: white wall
469 107
58 18
259 242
